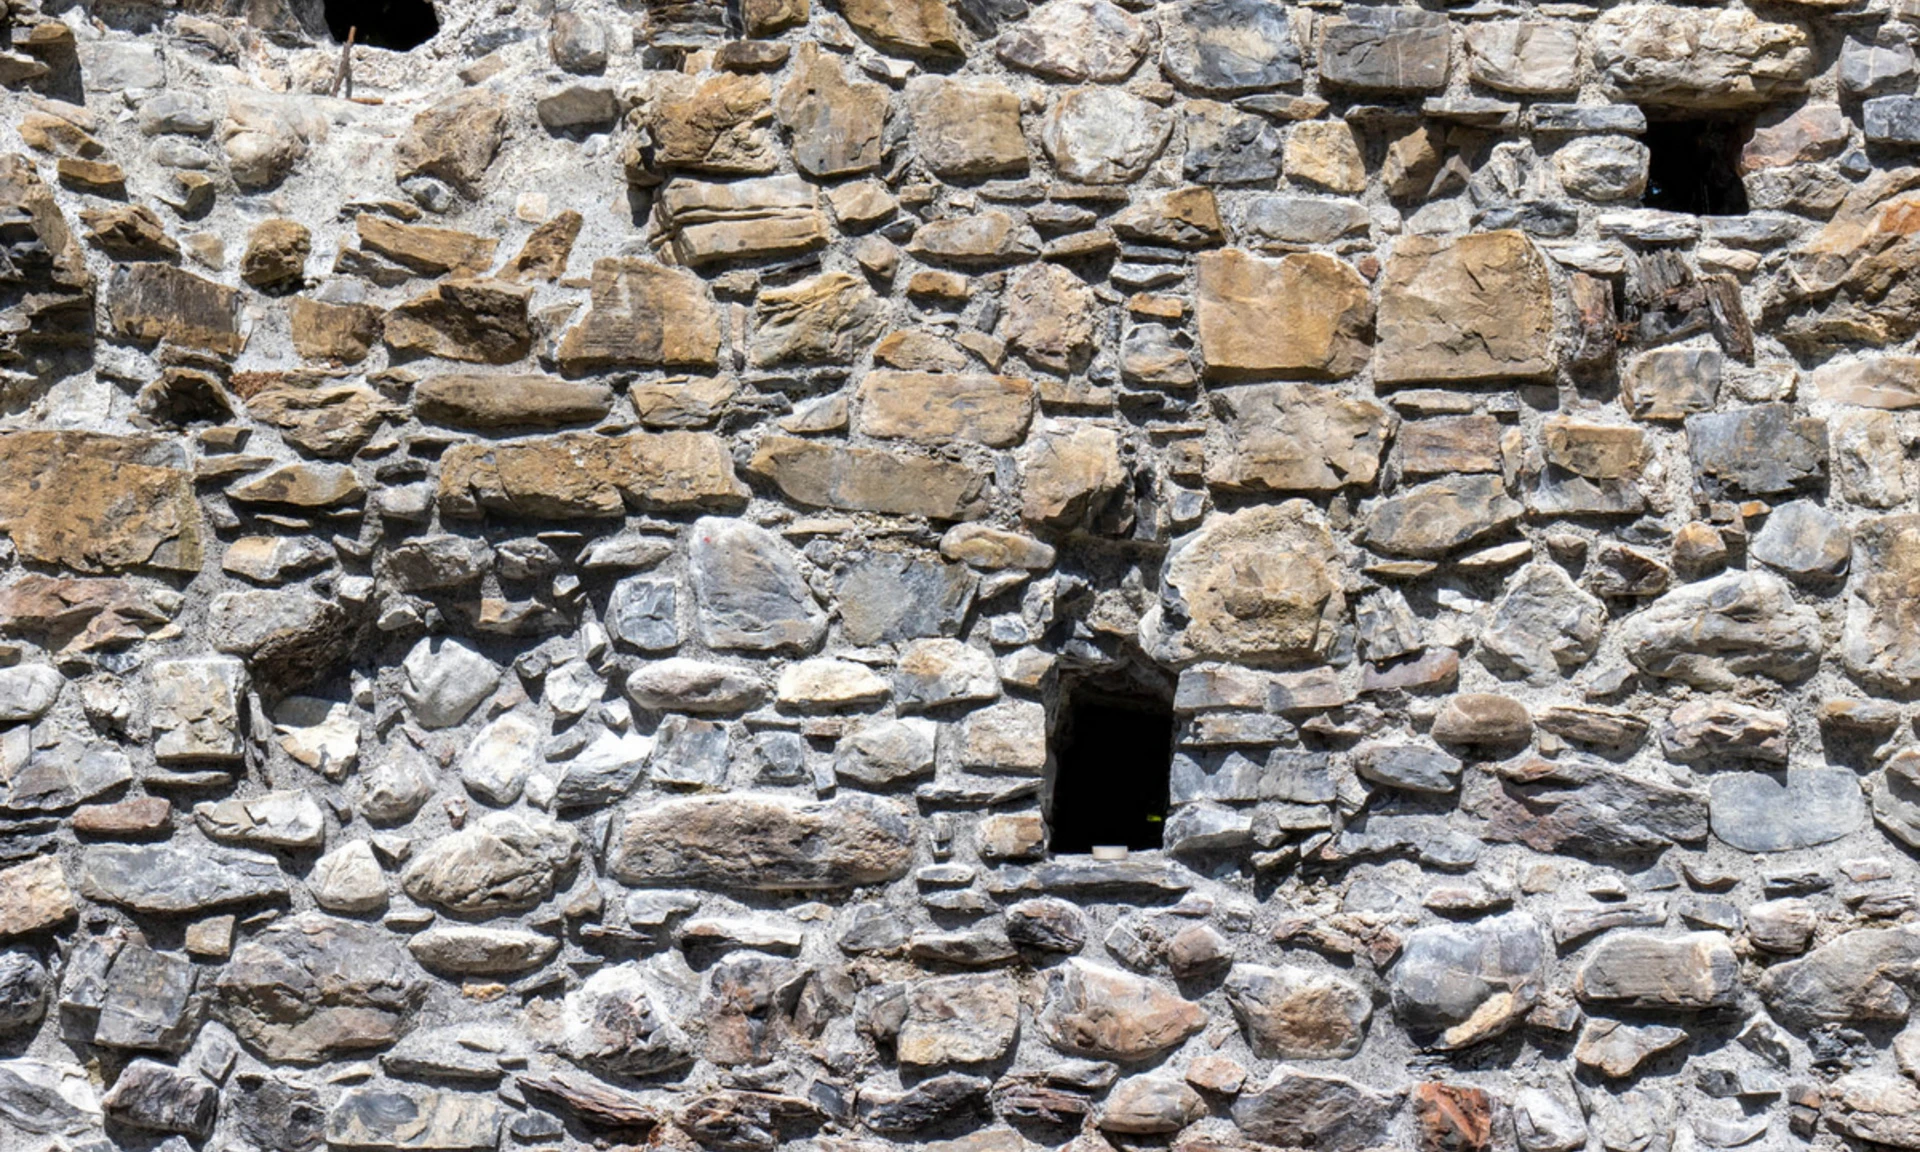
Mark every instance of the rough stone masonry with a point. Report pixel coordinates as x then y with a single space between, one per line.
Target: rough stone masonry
543 574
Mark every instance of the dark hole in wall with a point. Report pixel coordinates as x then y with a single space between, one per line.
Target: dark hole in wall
1694 166
397 25
1113 752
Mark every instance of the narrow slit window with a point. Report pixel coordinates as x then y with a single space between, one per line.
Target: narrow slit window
1113 753
397 25
1694 166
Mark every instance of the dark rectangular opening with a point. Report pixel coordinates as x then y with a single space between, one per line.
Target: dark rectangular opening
1694 165
1113 753
397 25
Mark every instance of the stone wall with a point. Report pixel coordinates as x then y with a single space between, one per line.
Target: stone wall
540 574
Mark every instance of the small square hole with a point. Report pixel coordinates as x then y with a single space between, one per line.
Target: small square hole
1113 753
1694 166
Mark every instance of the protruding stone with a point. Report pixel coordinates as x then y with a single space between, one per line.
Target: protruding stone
312 988
750 589
1104 135
1294 1013
1331 1113
1320 331
760 843
1476 308
505 862
1110 1015
1739 624
1254 585
1636 970
577 474
1456 985
642 315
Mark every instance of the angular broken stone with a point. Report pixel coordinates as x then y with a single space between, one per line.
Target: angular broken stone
153 302
445 681
1617 1049
751 593
827 319
744 219
614 1022
504 862
1877 644
1544 626
1321 327
1296 1013
916 27
1476 308
283 818
394 1119
477 321
197 709
34 896
837 124
868 480
966 127
1638 970
312 988
1527 57
1859 977
1761 450
1433 519
1108 1014
760 843
91 502
1582 804
1699 59
642 315
1069 472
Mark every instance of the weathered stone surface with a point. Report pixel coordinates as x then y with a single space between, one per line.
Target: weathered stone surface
34 896
1108 1014
279 819
827 319
751 593
465 949
504 862
178 876
1699 59
1440 516
1544 625
1761 450
931 407
1636 970
1477 308
1294 438
1050 314
1739 624
1294 1013
1104 135
1069 473
154 302
760 843
487 403
1862 976
1582 804
1701 731
917 27
614 1022
477 321
1617 1050
715 124
152 1096
1254 585
455 140
312 987
888 596
744 219
96 503
1321 330
953 1021
966 127
1876 1108
837 124
688 685
1458 985
391 1119
1528 57
1076 41
1295 1109
1385 50
1229 47
642 314
577 474
866 480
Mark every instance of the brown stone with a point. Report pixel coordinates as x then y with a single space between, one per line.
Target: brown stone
643 314
1293 438
989 237
829 319
761 843
1596 451
1814 132
454 140
1434 518
276 254
837 125
544 255
1258 584
491 402
867 480
1296 1013
73 615
1306 315
1182 217
153 302
340 332
917 27
90 502
716 124
933 407
1483 720
426 251
1325 153
129 232
1476 308
1108 1014
1448 444
770 17
1452 1118
34 897
1889 382
1068 472
300 486
966 127
1699 58
744 219
579 474
93 177
323 421
685 402
1049 318
479 321
135 817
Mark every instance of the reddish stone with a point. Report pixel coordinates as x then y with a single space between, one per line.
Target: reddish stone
1451 1118
136 816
